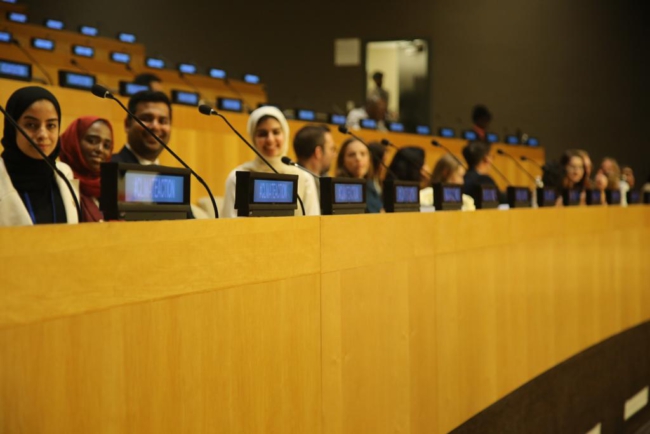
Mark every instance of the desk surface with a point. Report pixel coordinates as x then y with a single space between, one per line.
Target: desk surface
341 324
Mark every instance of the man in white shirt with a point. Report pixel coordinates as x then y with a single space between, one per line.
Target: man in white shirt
154 110
375 109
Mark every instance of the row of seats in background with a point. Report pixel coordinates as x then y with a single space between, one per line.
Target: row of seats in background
82 58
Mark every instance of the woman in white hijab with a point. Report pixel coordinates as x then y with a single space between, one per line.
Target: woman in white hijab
269 133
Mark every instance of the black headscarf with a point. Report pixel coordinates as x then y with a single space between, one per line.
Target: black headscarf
31 177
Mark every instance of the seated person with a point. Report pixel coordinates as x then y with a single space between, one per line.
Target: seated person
481 118
447 171
588 167
378 163
85 144
315 149
375 108
609 168
627 175
354 162
479 161
155 111
408 164
152 80
573 173
30 192
269 133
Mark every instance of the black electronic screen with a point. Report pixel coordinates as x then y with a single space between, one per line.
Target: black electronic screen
396 127
305 115
147 188
88 30
407 194
348 193
43 44
423 130
15 70
230 104
76 80
83 51
119 57
470 135
338 119
447 132
272 191
54 24
369 124
155 63
185 98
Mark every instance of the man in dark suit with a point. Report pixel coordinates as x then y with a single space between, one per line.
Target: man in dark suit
154 109
479 161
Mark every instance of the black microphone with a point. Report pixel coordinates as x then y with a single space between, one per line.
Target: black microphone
439 145
102 92
345 130
208 111
289 162
56 170
502 152
16 42
524 158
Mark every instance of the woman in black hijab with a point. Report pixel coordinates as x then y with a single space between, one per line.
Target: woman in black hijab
30 192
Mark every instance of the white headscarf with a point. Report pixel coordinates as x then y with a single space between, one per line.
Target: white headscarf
254 119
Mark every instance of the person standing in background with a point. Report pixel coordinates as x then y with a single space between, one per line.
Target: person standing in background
481 118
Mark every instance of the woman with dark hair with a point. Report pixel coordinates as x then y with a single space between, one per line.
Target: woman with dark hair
85 144
408 165
353 161
269 132
574 169
30 192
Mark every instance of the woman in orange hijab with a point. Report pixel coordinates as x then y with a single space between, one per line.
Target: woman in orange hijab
85 144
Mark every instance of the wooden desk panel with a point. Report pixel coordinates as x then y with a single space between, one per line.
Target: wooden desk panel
376 323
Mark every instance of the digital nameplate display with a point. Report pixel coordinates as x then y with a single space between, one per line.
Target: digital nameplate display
130 89
337 119
272 191
396 127
5 37
613 197
265 194
532 141
144 187
423 130
446 132
348 193
75 80
88 30
251 78
492 137
369 124
401 196
43 44
594 197
546 196
187 68
470 135
519 197
571 196
136 192
54 24
305 115
342 196
15 70
230 104
489 197
83 51
512 140
129 38
155 63
17 17
217 73
185 98
633 197
119 57
447 197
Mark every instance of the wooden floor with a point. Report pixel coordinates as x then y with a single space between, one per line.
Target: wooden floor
407 323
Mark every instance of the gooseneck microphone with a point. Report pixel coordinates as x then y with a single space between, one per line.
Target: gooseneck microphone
56 170
437 144
502 152
524 158
208 111
16 42
289 162
102 92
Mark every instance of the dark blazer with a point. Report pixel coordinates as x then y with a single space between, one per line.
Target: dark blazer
124 156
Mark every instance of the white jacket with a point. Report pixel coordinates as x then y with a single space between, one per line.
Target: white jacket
12 209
